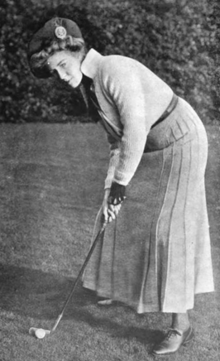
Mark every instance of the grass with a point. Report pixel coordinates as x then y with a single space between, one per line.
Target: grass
51 181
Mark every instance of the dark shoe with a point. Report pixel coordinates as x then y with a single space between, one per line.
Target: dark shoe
173 340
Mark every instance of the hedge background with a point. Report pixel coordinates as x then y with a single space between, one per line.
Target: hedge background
177 39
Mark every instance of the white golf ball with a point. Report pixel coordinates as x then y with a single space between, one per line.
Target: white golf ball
40 333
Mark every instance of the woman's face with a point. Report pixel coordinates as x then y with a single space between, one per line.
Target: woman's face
66 66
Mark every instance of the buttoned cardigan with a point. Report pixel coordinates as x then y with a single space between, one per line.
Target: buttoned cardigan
131 99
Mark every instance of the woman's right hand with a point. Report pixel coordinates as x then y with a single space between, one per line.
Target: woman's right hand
109 211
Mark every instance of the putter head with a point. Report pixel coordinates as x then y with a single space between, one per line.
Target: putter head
38 332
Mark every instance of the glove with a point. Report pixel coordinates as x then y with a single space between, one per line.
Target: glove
117 194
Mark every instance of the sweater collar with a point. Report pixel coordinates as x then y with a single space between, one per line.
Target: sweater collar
91 63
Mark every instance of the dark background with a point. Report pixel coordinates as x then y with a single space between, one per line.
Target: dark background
177 39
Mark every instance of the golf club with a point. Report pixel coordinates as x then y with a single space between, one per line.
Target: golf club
40 332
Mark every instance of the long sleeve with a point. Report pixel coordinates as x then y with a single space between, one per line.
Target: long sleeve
113 160
124 86
132 98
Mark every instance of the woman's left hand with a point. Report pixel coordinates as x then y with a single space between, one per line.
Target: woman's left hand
110 211
117 194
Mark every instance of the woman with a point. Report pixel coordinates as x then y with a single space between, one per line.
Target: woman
155 256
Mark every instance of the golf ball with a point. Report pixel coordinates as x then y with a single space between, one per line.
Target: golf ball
40 333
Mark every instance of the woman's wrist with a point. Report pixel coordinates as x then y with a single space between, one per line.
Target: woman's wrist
106 193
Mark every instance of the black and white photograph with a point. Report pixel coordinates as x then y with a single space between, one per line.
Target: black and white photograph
109 180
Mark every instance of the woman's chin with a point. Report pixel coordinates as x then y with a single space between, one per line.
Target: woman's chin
74 83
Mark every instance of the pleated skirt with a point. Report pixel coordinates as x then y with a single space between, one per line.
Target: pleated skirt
156 256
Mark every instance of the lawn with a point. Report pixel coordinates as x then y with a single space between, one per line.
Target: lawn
51 181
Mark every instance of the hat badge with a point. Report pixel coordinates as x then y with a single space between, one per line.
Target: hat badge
60 32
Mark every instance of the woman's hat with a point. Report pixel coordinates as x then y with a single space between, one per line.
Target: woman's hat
54 29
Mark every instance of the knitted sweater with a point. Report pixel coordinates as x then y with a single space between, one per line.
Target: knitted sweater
131 98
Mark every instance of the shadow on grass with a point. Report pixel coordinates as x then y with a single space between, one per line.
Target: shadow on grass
40 295
34 293
116 329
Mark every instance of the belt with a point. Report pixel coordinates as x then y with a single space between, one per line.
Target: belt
168 111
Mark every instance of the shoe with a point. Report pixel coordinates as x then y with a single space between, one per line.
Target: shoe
105 302
173 340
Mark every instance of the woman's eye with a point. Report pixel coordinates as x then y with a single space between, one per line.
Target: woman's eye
63 65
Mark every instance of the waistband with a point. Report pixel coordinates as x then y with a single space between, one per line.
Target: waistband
168 111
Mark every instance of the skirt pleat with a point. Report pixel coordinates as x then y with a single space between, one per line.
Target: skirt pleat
157 255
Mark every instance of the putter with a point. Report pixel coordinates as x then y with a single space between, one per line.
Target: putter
40 332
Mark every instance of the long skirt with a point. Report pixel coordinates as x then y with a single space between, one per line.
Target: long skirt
156 256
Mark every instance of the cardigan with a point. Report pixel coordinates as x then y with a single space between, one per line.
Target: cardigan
131 99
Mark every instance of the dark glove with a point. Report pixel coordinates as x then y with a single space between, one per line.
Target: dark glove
117 194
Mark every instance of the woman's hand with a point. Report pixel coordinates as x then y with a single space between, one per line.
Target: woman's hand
109 211
117 194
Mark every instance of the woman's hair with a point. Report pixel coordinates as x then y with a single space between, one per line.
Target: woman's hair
39 61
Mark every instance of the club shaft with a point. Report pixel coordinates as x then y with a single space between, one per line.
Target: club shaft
79 275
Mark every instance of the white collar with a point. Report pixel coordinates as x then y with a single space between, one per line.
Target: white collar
91 62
